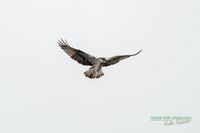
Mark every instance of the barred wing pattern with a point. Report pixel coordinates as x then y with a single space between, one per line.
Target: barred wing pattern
78 55
116 59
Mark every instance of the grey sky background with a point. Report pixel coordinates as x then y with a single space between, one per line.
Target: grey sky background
42 90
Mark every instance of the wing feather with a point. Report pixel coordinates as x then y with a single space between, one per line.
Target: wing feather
116 59
78 55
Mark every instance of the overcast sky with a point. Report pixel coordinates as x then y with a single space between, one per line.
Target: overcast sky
43 91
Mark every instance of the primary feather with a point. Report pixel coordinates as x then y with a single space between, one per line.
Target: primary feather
78 55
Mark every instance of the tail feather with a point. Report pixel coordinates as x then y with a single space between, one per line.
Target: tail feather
92 73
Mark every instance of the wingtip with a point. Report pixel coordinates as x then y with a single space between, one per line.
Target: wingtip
62 43
137 52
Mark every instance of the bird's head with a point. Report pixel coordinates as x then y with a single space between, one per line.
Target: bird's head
103 60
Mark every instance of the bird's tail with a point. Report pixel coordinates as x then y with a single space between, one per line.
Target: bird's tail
93 73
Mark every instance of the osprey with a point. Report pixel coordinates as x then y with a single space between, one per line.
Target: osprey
89 60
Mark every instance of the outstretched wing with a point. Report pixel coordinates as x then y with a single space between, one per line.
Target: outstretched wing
78 55
116 59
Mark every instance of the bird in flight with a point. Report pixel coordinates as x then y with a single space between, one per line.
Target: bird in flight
89 60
